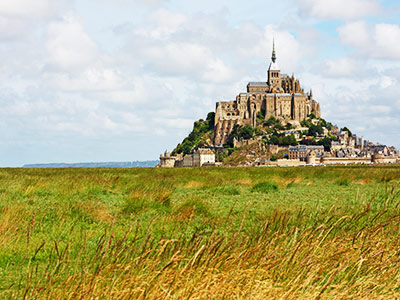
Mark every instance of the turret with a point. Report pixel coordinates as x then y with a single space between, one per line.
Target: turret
293 84
273 58
274 73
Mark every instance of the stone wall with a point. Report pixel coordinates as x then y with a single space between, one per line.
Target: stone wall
244 110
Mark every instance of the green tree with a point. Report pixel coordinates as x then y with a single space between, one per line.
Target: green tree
315 130
211 120
196 138
272 121
326 142
348 130
306 123
246 132
260 117
289 140
311 116
240 132
288 126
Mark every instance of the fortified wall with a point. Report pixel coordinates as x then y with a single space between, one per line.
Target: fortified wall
280 96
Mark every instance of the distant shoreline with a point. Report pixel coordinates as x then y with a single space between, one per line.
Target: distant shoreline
133 164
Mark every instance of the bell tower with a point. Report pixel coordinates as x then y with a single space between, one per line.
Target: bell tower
274 73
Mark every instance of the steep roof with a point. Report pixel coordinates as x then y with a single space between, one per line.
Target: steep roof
256 83
273 66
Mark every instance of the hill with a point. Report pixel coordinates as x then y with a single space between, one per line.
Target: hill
245 143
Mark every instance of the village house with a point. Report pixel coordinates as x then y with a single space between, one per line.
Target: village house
301 152
201 157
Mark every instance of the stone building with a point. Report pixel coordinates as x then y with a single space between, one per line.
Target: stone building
280 96
202 157
167 161
301 152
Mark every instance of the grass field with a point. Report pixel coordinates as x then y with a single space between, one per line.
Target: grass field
211 233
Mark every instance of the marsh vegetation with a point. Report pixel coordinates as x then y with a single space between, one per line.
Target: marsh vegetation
211 233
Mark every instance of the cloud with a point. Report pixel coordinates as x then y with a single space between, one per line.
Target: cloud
11 29
372 40
68 46
170 72
29 8
370 108
80 81
339 9
387 40
356 34
346 67
151 2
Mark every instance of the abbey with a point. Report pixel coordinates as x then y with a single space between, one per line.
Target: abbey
281 96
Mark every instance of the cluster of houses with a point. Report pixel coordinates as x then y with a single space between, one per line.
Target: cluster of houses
202 157
348 149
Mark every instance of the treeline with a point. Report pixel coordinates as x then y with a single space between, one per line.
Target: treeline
271 132
196 139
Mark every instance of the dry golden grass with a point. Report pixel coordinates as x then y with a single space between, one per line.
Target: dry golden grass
247 182
194 185
187 234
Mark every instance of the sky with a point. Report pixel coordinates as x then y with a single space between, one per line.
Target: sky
124 80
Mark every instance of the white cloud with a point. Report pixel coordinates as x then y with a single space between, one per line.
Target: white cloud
30 8
346 67
11 28
366 107
387 40
152 2
356 34
69 47
372 40
167 22
90 79
339 9
67 78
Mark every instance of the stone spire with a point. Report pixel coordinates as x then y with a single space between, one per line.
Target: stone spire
310 93
273 51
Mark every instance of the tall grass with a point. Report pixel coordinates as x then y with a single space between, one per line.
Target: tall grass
155 234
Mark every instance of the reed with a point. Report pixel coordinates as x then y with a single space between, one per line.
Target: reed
154 234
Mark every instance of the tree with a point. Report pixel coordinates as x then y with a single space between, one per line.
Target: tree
196 137
322 122
315 130
273 140
289 140
240 132
260 117
348 131
308 142
288 126
211 120
306 123
272 121
311 116
246 132
326 142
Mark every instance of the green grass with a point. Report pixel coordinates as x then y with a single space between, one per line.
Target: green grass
219 233
265 187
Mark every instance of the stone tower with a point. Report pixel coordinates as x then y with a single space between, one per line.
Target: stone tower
274 73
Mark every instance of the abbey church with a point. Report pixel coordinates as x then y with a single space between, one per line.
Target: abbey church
280 96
